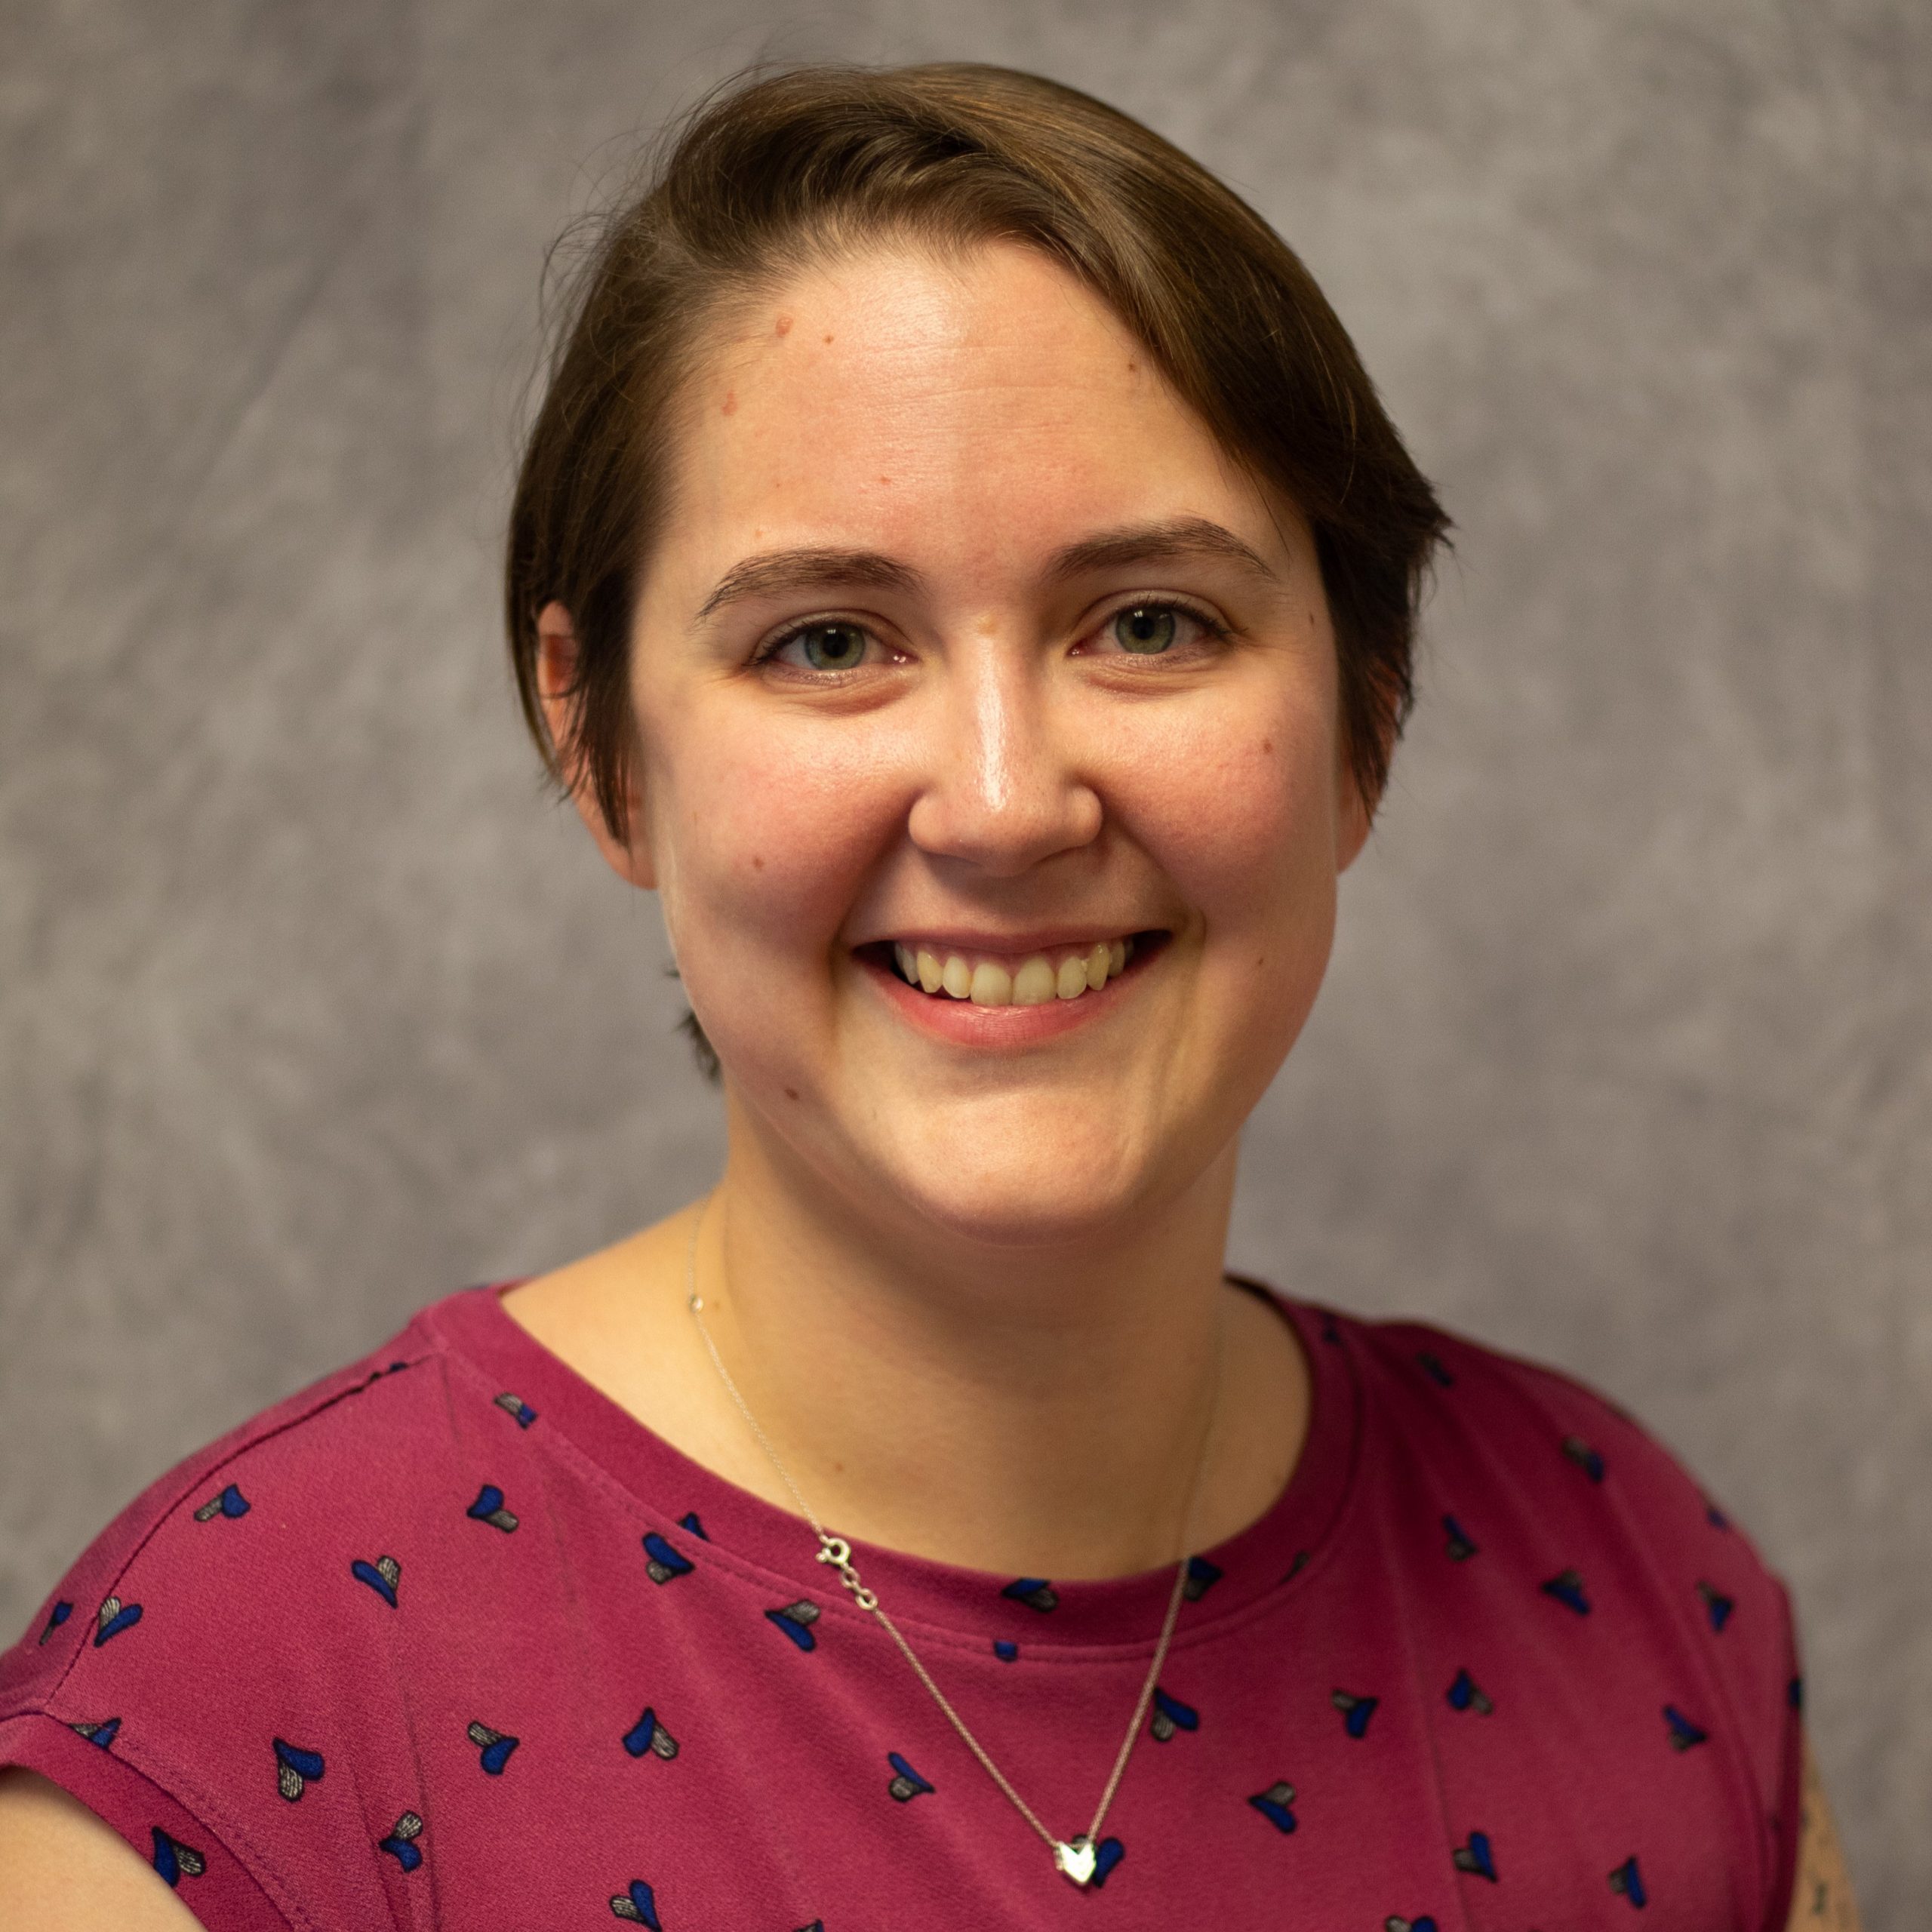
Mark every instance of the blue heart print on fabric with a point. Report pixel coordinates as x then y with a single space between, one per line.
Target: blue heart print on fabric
1356 1711
1202 1576
637 1903
1171 1714
661 1561
1477 1857
1568 1589
488 1508
906 1783
401 1844
1629 1881
648 1734
102 1731
1682 1733
1433 1368
1460 1545
295 1769
495 1745
1005 1649
175 1860
796 1620
1273 1805
381 1576
1586 1458
1465 1695
689 1520
1715 1516
515 1405
1717 1606
57 1616
114 1616
1035 1592
231 1503
1794 1693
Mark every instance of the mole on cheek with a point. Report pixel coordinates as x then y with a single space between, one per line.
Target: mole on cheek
758 862
791 1093
1267 747
783 326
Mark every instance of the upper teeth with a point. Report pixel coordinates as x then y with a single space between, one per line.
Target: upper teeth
1064 973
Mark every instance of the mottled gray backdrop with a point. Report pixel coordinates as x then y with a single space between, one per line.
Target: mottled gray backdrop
311 1007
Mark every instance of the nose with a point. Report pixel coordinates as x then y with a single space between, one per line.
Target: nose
1001 790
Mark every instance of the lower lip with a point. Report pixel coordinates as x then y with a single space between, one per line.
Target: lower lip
960 1022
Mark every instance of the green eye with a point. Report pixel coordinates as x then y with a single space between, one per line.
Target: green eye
831 647
1146 630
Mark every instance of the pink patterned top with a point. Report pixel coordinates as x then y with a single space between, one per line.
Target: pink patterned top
451 1640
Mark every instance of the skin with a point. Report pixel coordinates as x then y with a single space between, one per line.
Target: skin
1020 1243
1010 1227
62 1870
1822 1899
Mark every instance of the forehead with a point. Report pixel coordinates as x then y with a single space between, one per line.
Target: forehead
978 411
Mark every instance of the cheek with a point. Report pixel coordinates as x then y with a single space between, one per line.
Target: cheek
762 830
1238 805
1246 826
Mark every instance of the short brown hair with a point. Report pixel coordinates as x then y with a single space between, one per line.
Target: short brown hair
770 172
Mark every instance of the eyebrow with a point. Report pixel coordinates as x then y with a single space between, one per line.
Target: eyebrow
807 569
779 570
1155 543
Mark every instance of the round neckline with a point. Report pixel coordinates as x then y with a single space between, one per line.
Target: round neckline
705 1517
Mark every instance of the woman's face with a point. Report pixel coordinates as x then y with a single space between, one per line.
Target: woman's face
967 663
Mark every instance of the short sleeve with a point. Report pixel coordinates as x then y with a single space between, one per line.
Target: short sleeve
184 1850
170 1683
1737 1611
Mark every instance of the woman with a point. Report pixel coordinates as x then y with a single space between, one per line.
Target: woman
961 567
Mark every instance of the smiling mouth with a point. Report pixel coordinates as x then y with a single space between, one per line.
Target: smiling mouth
1036 979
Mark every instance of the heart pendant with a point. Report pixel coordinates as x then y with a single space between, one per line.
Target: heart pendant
1075 1860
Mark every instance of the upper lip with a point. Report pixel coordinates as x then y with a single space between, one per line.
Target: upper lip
1032 939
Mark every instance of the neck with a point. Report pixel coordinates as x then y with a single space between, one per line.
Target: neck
1032 1410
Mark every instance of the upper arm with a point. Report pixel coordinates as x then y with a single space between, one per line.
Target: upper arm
62 1870
1821 1900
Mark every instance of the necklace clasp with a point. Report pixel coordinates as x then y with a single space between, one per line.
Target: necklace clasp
837 1551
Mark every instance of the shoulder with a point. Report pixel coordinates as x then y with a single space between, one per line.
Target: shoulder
1551 1440
311 1464
1484 1455
257 1578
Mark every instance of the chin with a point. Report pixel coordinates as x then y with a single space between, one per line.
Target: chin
1003 1211
1040 1189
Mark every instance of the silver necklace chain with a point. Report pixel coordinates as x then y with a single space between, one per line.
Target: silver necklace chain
1075 1857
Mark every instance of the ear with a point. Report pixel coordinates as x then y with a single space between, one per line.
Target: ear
557 660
